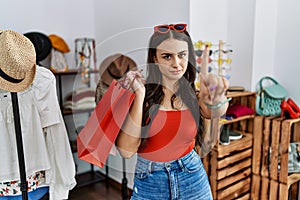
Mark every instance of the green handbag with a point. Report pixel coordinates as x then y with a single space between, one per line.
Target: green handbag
269 98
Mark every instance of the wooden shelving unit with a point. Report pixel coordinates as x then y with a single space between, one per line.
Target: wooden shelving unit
229 166
59 76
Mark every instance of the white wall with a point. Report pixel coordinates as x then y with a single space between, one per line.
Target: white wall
68 19
264 39
286 57
208 20
240 35
276 43
126 26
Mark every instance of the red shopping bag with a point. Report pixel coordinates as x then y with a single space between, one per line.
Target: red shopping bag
96 139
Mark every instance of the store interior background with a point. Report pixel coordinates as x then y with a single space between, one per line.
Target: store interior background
264 35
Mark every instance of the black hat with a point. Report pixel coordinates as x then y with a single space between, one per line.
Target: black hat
41 43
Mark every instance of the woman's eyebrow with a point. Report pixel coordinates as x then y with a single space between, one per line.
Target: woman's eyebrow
164 53
184 51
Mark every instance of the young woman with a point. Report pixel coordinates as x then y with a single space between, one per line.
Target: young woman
166 118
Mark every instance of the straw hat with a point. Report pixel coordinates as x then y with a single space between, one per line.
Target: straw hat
17 61
115 66
41 43
58 43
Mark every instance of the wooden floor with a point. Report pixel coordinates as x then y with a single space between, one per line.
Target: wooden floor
102 189
95 191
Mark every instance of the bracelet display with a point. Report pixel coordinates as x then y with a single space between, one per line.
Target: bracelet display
219 105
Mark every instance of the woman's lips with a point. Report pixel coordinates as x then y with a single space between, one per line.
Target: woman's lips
176 72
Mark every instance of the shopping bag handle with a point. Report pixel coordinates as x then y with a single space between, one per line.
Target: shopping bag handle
122 81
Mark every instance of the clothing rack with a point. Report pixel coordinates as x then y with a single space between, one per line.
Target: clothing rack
16 113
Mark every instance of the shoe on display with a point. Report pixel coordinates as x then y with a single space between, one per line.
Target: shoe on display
293 105
288 111
227 135
234 135
224 137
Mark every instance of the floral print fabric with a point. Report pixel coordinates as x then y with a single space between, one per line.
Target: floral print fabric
12 188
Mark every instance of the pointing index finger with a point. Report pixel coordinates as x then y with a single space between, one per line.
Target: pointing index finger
204 63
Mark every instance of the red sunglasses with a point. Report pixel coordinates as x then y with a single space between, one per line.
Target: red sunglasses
166 28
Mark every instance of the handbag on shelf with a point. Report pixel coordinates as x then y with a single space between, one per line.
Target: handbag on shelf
269 98
98 136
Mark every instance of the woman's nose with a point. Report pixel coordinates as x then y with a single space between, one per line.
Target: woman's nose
176 62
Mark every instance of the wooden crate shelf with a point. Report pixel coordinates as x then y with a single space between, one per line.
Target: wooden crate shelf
237 145
229 166
234 179
234 158
271 179
234 191
240 119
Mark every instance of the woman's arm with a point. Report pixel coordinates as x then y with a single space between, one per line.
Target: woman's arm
212 95
129 138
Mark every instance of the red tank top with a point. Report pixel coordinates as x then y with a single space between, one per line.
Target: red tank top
171 136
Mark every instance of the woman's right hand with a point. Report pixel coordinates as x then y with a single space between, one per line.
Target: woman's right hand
134 80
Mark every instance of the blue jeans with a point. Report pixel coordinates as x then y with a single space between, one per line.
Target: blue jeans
184 179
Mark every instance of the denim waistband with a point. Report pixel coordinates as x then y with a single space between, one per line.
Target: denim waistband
174 164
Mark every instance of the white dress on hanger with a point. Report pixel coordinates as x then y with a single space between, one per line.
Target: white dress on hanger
45 139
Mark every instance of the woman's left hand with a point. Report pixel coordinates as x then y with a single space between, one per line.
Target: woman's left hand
212 87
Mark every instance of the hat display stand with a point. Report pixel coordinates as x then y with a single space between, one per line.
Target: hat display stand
16 114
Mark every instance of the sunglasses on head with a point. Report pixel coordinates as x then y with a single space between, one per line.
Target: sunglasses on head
166 28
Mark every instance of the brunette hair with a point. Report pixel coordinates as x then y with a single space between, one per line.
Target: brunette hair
186 88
